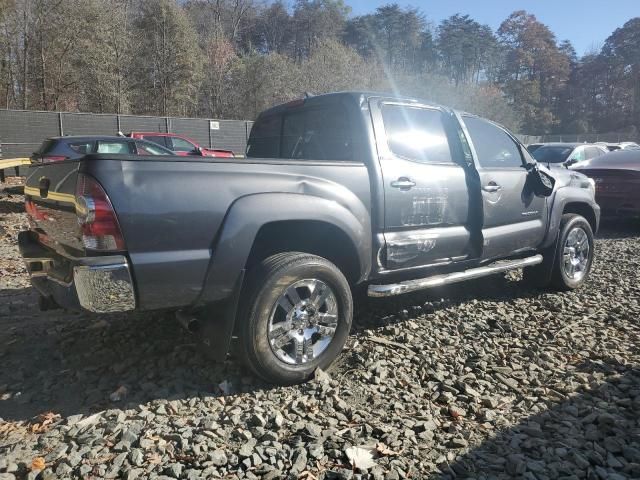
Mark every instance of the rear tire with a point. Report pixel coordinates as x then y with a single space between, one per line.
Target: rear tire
296 317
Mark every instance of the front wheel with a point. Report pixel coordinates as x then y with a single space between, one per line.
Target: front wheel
296 318
574 254
566 265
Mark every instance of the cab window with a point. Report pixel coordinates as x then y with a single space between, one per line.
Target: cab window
416 134
494 147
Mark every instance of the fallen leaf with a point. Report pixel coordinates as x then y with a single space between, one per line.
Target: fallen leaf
382 449
361 457
38 464
154 458
43 421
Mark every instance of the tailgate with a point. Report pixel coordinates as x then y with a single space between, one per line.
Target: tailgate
50 203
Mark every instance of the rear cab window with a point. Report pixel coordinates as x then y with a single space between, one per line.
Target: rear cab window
308 133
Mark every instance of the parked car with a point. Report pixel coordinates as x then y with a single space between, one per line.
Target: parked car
565 154
340 190
532 147
619 146
181 145
617 179
56 149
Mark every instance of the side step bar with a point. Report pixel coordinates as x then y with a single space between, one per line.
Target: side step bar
454 277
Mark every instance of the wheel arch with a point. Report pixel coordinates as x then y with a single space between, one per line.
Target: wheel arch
585 210
250 231
316 237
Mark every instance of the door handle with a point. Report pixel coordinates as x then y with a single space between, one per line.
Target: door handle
492 187
403 183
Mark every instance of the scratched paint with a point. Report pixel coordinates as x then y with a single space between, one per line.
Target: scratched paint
411 247
428 207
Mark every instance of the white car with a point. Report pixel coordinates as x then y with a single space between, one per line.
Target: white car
619 146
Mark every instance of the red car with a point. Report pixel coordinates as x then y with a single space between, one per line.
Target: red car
181 145
617 181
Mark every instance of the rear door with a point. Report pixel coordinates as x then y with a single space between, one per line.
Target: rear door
514 217
426 212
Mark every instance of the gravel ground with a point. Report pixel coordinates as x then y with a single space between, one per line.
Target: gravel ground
486 380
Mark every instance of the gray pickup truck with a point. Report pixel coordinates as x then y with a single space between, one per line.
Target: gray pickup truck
337 191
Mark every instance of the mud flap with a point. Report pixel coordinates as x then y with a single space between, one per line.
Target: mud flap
218 323
540 275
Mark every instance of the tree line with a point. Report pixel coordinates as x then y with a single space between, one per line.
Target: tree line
233 58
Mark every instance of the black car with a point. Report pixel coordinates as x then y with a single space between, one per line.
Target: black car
56 149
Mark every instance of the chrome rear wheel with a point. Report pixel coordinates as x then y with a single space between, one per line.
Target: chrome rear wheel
303 321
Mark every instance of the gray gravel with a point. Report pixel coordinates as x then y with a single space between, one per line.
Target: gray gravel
485 380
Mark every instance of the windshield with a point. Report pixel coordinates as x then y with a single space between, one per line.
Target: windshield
551 154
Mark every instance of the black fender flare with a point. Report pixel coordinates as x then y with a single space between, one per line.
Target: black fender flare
558 203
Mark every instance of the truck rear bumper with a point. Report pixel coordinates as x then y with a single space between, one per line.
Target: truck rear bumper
97 284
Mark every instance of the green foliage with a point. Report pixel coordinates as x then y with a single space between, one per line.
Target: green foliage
170 75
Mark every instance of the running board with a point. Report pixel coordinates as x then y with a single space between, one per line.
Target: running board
454 277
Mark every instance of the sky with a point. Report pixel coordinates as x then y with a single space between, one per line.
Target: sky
586 23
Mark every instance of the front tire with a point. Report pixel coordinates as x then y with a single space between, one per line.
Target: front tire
574 254
296 317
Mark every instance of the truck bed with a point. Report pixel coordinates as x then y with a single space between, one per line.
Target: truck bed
171 210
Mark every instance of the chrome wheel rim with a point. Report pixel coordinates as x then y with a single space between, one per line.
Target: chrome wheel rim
303 321
575 258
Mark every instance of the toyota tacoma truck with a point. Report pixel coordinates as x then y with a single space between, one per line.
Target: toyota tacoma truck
338 193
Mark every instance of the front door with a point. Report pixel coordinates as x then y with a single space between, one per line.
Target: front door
425 189
514 217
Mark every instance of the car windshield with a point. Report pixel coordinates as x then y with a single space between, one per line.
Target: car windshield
552 154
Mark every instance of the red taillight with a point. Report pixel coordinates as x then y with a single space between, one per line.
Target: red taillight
97 219
53 158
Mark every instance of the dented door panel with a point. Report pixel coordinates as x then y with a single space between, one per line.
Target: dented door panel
426 202
441 246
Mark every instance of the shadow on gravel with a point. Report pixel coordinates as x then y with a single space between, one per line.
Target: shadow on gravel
371 312
591 433
72 363
7 206
618 229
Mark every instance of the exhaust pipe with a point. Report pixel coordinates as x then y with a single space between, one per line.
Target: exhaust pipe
188 321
